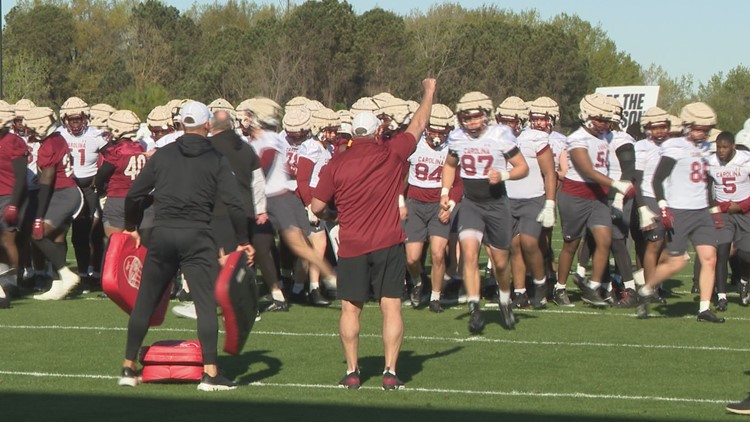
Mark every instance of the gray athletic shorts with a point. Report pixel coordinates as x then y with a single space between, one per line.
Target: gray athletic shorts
658 232
114 213
5 201
423 221
696 225
621 226
742 231
578 214
524 212
491 218
286 211
64 206
380 272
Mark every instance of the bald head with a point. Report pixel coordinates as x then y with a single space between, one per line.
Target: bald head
221 121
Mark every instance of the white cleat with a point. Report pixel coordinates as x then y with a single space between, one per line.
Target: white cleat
60 288
185 311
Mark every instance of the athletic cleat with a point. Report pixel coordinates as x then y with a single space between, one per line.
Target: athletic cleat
708 316
217 383
560 297
317 299
391 381
60 288
579 280
350 381
128 378
642 308
476 320
416 295
744 289
300 298
609 296
435 306
695 289
508 319
277 306
591 296
520 300
628 299
721 305
4 303
740 408
540 296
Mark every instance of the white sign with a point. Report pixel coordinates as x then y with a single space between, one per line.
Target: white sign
634 99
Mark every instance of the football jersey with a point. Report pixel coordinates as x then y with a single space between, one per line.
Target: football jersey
168 139
597 148
291 154
11 148
685 188
647 155
425 172
84 150
558 143
477 156
619 138
277 177
147 142
732 179
54 152
318 153
128 159
532 143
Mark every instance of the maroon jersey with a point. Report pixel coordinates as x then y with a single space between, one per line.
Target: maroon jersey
54 152
11 148
128 159
366 180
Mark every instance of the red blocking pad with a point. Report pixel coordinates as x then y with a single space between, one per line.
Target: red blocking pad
171 373
237 295
121 275
172 352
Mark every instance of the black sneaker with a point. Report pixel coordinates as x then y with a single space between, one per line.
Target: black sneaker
744 289
508 319
391 381
721 305
128 378
540 296
560 297
741 408
4 303
591 296
317 299
628 299
277 306
435 306
217 383
696 288
350 381
520 300
416 295
708 316
300 298
609 296
476 320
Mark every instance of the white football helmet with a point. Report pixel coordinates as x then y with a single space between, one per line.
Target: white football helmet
221 104
470 106
297 125
596 113
40 121
393 114
295 102
512 112
159 122
259 112
698 114
442 121
99 115
7 114
325 124
655 123
364 104
74 114
123 124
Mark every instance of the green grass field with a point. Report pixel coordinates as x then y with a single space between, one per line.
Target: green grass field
60 362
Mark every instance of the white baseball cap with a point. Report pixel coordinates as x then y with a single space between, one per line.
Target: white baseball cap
195 114
364 124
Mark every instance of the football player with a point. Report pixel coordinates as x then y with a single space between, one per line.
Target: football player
484 153
681 191
60 199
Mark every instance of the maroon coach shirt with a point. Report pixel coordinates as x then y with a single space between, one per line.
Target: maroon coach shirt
365 181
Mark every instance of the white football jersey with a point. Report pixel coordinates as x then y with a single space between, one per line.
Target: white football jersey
597 148
619 138
558 143
291 154
168 138
531 142
426 165
84 150
477 157
316 152
277 178
732 179
147 142
685 188
32 183
647 155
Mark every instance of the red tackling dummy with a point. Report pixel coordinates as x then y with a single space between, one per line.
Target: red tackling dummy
172 361
235 291
121 276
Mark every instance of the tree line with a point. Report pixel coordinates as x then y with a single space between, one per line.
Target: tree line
138 54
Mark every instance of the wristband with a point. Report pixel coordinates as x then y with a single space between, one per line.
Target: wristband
504 175
401 201
445 191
